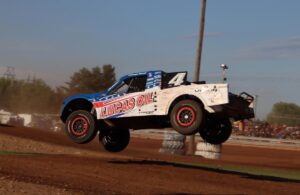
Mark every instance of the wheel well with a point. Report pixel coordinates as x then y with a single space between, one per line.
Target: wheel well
184 97
77 104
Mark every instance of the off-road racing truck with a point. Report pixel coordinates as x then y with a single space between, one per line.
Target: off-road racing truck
154 99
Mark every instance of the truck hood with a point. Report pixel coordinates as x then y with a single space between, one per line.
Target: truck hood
92 97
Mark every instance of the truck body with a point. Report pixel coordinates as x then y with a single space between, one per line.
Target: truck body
148 99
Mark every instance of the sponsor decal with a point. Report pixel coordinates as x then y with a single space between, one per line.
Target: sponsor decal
124 105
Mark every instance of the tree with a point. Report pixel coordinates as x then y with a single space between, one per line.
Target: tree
36 96
284 113
5 92
109 76
90 81
26 96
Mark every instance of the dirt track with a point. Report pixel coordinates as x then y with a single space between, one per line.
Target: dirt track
67 168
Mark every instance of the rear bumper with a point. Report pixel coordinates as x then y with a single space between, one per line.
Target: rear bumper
240 106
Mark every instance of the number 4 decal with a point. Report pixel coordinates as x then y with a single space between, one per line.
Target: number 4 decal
177 79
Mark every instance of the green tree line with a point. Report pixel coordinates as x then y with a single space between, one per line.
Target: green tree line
285 114
36 96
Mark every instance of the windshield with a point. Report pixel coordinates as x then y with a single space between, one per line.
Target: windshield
130 85
121 87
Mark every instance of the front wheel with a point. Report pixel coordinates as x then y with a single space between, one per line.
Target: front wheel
216 131
114 139
81 126
186 117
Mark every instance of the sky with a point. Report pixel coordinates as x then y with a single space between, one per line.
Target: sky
259 40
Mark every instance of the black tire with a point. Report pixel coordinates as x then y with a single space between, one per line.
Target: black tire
186 117
174 137
114 139
81 126
175 145
216 131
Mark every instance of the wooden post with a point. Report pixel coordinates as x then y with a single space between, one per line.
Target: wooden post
191 148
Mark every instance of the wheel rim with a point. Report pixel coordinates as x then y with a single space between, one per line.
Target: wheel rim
185 116
79 126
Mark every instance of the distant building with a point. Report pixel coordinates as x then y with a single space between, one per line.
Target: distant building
4 117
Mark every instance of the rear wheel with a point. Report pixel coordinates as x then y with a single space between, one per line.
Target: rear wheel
186 117
114 139
81 126
216 131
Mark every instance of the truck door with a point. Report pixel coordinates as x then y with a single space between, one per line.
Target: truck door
144 96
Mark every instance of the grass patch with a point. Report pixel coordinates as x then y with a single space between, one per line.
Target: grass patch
256 173
5 152
248 171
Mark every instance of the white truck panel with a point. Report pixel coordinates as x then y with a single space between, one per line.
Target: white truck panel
209 94
155 101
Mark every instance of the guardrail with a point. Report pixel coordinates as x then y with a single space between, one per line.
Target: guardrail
234 139
264 141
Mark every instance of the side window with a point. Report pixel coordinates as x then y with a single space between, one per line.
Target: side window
137 84
131 85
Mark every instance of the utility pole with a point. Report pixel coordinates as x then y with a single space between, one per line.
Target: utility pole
255 106
191 147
